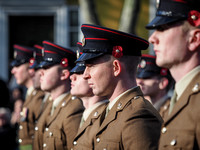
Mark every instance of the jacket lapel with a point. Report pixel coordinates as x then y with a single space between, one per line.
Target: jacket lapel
29 98
119 106
91 119
64 102
192 88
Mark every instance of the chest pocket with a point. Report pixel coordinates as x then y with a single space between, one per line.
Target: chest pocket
56 140
179 140
109 145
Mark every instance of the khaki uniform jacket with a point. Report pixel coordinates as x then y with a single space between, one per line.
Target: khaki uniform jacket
29 116
132 124
84 138
59 130
181 129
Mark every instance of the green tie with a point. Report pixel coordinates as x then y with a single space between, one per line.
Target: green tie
107 111
82 122
52 109
172 102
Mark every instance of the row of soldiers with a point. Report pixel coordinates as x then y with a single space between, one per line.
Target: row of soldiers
93 102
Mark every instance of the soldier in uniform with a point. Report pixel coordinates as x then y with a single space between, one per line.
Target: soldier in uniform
176 43
60 121
94 105
35 69
23 77
155 82
111 58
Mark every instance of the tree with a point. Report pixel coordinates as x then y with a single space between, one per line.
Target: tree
128 18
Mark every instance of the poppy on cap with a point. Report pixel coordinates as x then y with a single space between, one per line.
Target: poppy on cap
171 11
37 57
56 54
80 66
147 68
22 54
100 40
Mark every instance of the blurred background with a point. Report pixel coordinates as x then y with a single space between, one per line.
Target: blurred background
29 22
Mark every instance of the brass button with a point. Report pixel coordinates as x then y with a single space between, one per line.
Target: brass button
164 129
44 145
20 140
50 133
173 142
75 143
98 140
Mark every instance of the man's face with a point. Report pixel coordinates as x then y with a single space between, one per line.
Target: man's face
21 73
170 45
99 74
50 78
150 86
79 86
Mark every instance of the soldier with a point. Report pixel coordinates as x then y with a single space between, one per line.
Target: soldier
35 68
94 105
111 58
155 82
60 121
21 72
176 43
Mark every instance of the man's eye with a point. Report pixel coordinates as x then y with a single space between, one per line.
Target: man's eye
89 65
163 28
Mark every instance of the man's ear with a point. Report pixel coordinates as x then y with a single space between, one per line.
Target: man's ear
65 74
117 68
163 83
194 40
31 72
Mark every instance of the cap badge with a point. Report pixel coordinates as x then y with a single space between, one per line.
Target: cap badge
143 63
117 51
194 18
31 61
15 55
163 72
64 62
83 41
77 54
42 52
34 54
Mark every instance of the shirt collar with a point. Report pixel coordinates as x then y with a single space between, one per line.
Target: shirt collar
30 90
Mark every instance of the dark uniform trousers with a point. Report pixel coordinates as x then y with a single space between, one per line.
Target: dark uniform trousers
132 124
181 129
59 130
29 116
84 138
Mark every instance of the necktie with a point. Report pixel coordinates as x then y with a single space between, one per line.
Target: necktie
107 111
52 110
172 102
82 122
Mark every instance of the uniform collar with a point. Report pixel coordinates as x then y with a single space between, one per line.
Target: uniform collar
59 99
88 111
111 104
184 82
